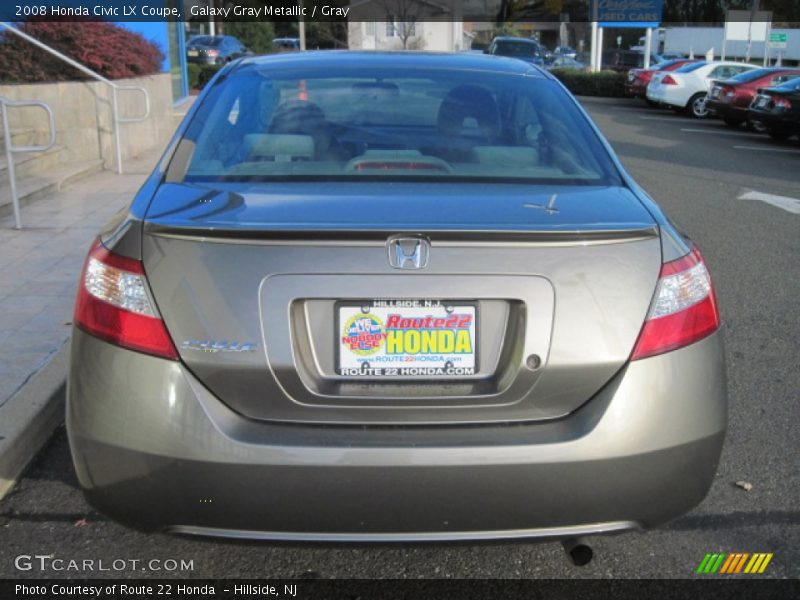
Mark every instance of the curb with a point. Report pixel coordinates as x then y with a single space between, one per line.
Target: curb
29 418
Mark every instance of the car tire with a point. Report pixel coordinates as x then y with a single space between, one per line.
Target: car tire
651 103
779 134
696 107
730 122
756 126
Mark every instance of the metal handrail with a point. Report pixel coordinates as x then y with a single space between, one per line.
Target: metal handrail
5 104
114 88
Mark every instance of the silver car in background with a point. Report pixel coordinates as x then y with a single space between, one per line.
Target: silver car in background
393 297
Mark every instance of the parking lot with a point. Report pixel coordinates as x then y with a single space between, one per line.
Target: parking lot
737 194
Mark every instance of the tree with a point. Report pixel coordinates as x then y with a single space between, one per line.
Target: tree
403 16
256 35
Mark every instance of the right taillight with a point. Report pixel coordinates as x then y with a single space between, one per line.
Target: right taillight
782 102
113 304
668 80
684 308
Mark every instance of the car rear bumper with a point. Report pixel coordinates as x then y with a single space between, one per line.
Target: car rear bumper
202 60
668 94
771 120
154 449
637 90
726 110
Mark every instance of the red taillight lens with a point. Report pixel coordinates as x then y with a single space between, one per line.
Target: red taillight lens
668 80
683 310
212 52
781 102
113 304
728 91
646 75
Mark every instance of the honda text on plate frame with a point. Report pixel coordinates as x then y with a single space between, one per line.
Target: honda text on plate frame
330 313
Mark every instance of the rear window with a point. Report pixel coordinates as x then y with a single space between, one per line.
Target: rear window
790 86
206 40
525 49
751 75
690 67
258 124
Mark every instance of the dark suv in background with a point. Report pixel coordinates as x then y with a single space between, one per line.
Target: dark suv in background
522 48
623 61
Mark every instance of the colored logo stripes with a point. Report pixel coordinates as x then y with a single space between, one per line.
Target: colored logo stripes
736 562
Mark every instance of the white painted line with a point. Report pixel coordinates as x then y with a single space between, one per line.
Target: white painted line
768 149
717 132
673 119
791 205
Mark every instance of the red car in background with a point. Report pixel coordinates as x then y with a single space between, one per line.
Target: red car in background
731 98
636 85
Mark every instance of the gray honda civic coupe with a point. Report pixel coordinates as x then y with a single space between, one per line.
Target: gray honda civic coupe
393 297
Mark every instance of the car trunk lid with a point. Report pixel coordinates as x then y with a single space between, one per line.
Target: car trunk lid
254 282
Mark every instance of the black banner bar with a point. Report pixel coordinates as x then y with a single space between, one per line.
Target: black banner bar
747 587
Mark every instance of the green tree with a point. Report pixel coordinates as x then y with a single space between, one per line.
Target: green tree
256 35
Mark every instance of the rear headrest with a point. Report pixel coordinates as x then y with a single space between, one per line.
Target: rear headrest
465 102
278 147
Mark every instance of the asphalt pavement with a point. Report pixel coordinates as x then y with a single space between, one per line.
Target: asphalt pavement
733 192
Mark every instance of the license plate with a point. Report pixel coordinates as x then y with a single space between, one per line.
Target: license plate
762 102
193 53
406 339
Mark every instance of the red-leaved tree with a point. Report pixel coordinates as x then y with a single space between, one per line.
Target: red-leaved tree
105 48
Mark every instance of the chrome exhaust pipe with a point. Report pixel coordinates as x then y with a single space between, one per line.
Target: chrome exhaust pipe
580 553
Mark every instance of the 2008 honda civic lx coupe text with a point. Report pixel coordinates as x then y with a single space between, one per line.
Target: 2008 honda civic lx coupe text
393 297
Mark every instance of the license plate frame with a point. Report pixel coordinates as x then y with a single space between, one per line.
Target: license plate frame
408 315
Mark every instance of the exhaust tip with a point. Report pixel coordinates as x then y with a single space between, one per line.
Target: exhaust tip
579 552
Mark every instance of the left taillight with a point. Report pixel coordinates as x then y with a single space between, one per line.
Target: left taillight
113 304
684 308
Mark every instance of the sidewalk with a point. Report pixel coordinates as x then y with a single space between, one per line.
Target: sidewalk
39 270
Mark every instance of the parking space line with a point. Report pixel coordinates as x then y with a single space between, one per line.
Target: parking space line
791 205
768 149
666 118
717 132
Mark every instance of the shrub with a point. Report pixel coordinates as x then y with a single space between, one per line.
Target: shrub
205 75
193 74
256 35
105 48
580 83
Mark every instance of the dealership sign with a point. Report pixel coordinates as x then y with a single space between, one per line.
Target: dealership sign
629 13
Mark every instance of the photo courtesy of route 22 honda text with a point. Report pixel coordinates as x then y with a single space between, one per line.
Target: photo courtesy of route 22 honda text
393 297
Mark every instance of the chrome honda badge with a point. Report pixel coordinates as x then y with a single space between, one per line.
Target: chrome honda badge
408 252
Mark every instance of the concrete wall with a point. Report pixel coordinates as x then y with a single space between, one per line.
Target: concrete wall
83 119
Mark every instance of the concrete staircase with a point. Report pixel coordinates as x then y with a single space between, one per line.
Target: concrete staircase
38 173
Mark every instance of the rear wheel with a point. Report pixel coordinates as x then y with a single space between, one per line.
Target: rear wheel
697 106
780 134
651 103
731 122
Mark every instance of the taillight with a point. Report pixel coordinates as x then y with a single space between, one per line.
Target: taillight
113 304
782 102
683 310
668 80
646 75
212 52
728 91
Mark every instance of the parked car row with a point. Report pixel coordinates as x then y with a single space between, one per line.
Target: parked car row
763 99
